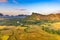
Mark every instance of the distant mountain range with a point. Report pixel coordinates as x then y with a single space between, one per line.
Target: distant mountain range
19 16
36 16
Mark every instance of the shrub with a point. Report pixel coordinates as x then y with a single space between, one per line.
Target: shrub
58 31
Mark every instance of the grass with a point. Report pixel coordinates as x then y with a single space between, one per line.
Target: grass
34 33
5 37
29 30
56 25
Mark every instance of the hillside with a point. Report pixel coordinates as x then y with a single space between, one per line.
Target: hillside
37 16
23 33
32 27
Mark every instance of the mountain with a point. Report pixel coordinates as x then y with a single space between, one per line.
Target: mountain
18 16
36 16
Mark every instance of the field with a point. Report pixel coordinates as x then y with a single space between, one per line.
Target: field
24 33
23 29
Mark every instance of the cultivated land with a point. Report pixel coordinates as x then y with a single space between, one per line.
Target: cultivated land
34 27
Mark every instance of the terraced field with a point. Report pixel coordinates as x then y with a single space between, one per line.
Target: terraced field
56 25
29 29
24 33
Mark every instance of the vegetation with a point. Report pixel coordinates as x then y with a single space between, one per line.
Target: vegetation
29 28
25 34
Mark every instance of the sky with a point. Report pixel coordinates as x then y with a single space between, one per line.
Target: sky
15 7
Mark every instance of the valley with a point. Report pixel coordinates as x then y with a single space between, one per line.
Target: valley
33 27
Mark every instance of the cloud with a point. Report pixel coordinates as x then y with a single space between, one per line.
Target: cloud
22 9
3 0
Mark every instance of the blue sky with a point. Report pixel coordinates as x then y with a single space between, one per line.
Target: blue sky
14 7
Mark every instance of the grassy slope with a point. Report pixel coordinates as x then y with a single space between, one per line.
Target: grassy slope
31 33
